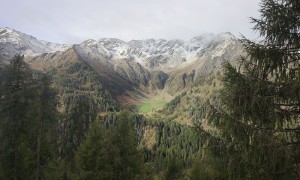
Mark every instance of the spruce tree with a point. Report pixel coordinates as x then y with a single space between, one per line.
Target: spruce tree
91 159
28 122
131 159
110 153
44 117
16 156
80 113
257 114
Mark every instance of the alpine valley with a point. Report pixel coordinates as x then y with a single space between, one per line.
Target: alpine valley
163 82
212 107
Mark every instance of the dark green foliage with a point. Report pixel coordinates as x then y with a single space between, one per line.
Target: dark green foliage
15 100
44 125
28 122
110 153
131 158
170 106
82 96
173 169
257 114
51 145
209 165
78 79
80 113
94 153
173 141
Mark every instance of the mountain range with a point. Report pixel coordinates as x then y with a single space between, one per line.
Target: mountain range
132 70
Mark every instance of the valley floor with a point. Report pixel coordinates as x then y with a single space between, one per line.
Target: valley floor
154 102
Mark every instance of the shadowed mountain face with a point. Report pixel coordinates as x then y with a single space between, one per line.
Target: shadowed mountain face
129 70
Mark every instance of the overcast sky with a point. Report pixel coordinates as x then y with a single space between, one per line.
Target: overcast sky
72 21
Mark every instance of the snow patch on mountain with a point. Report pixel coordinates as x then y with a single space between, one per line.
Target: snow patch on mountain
153 54
14 42
158 54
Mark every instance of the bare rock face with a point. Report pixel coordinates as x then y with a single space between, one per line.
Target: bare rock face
159 79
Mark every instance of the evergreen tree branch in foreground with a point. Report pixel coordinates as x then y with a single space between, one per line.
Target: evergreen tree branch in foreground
28 110
257 113
15 95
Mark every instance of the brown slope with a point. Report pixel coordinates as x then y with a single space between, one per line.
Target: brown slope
122 89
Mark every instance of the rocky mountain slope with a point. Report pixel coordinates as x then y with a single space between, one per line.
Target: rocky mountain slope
165 55
14 42
131 69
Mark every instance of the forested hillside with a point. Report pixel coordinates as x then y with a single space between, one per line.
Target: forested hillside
61 137
154 109
77 81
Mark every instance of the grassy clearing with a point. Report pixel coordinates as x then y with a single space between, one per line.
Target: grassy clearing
150 105
154 103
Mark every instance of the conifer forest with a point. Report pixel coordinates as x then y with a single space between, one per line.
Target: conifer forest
79 113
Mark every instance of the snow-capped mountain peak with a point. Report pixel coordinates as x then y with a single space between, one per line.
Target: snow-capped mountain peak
153 54
14 42
160 53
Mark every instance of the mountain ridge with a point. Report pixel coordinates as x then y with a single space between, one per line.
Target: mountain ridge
15 42
142 67
145 52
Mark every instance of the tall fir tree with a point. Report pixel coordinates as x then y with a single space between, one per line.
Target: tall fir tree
16 156
257 114
110 153
80 113
44 117
28 110
131 159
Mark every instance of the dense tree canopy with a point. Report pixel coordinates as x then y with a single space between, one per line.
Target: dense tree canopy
83 140
111 153
249 131
28 121
257 114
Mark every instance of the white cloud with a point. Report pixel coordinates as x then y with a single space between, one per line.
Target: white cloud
77 20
